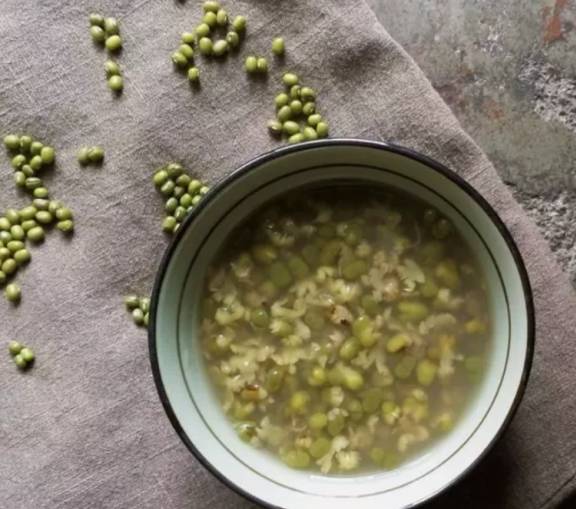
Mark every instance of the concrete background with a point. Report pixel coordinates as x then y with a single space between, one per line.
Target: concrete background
507 68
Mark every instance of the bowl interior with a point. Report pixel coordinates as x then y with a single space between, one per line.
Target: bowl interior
189 395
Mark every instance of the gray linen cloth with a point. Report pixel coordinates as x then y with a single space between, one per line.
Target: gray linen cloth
84 428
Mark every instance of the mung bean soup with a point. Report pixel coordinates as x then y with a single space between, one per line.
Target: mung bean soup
345 331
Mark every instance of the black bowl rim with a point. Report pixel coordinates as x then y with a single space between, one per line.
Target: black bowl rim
355 142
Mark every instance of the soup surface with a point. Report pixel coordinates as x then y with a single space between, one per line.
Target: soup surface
345 330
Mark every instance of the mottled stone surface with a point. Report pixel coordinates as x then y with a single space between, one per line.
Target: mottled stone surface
507 68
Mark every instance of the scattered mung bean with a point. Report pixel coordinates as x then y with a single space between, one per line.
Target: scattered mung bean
13 293
113 43
278 47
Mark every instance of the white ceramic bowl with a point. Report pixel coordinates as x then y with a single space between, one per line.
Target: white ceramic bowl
177 361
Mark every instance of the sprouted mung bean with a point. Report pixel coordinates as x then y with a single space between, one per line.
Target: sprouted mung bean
296 111
345 332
